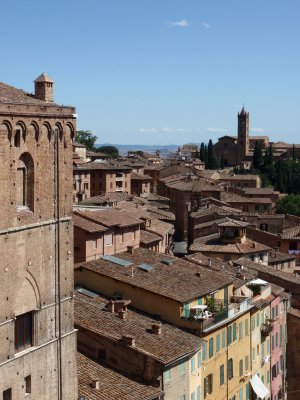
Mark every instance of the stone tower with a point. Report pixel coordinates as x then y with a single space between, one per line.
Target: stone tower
37 336
243 134
43 86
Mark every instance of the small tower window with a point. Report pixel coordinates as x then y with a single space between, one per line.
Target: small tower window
25 182
17 138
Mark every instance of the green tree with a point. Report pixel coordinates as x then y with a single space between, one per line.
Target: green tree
211 156
202 152
111 151
289 204
222 162
294 157
86 138
270 155
257 156
206 156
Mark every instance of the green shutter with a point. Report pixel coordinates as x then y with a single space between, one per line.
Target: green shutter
186 310
204 351
211 347
223 338
247 391
246 327
198 393
241 331
218 343
234 331
229 335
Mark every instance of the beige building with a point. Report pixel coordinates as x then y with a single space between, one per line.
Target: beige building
37 336
135 344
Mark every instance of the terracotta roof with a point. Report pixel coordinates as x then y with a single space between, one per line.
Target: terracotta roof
113 385
11 95
236 198
172 344
177 281
212 208
247 247
233 223
102 166
290 233
160 227
277 256
137 176
109 217
108 197
87 225
149 237
77 144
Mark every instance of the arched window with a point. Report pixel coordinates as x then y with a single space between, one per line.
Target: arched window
25 181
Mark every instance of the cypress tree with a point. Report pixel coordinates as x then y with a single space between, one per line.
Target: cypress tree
202 152
270 155
206 156
294 153
211 156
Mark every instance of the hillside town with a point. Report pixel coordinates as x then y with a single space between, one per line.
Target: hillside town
142 277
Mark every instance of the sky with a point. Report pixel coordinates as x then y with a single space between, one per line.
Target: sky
161 71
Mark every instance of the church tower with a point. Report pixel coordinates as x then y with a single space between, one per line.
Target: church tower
243 134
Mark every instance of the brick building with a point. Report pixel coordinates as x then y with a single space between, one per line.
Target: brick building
37 336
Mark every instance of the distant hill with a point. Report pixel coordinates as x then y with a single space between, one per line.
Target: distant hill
124 148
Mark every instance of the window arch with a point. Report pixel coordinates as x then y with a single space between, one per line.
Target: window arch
6 129
19 134
25 181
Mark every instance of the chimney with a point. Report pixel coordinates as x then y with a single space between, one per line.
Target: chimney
128 340
43 88
156 328
130 249
95 384
111 306
122 314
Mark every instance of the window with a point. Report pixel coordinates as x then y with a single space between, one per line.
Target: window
208 385
28 384
222 375
204 351
257 319
193 364
167 375
23 332
246 327
241 394
193 396
247 391
273 313
276 341
234 331
108 239
198 392
276 313
199 360
230 368
25 181
17 138
241 331
182 397
252 323
218 343
273 344
223 339
241 368
281 330
247 363
182 368
211 347
7 395
229 335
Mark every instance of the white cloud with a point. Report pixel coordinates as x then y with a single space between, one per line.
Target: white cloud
206 25
183 23
216 130
162 130
261 130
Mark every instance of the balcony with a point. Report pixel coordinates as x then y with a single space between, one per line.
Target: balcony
215 312
119 178
266 329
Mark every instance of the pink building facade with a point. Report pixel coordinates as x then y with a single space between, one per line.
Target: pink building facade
275 352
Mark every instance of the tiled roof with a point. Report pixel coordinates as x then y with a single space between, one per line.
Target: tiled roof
290 233
160 227
87 225
109 217
113 385
109 197
212 208
135 175
277 256
172 344
243 248
102 166
11 95
177 281
149 237
235 198
233 223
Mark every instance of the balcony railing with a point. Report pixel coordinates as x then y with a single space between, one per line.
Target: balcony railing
216 311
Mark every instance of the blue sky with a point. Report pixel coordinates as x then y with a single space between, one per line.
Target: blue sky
161 71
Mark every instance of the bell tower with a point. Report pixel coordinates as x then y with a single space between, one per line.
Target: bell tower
243 134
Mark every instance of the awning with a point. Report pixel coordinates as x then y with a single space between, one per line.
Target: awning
258 387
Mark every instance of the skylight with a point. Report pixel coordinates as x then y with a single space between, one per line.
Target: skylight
146 267
117 261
